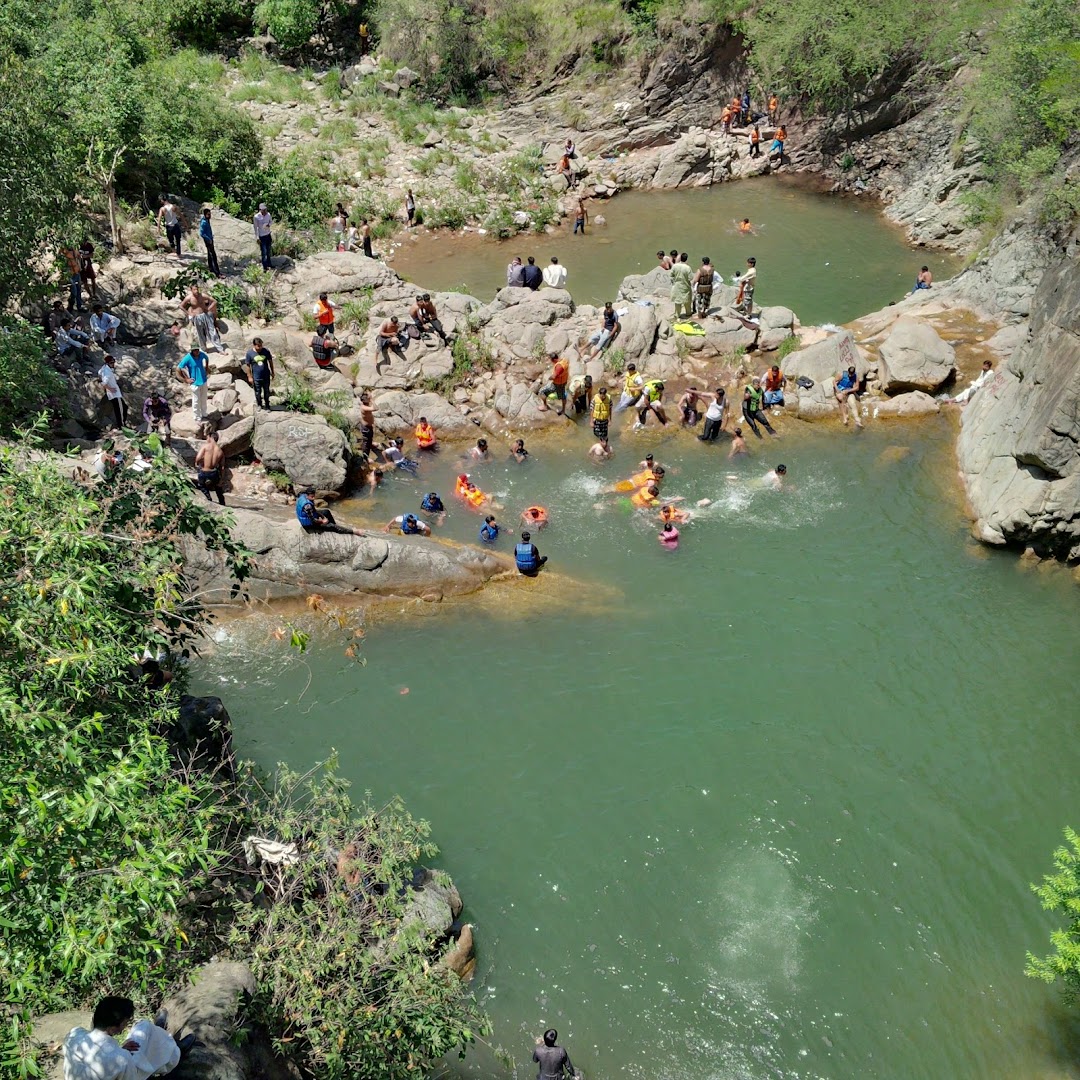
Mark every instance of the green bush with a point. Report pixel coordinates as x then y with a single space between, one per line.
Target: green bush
291 22
1060 893
296 395
232 300
27 383
295 196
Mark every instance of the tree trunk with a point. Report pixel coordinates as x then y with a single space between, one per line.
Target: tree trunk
114 225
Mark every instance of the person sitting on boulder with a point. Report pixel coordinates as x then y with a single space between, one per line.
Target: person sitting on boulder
148 1050
324 347
388 339
925 279
426 318
408 525
984 377
157 413
528 559
313 520
773 384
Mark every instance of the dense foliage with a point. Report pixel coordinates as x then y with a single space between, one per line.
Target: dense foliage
101 841
352 991
27 383
1060 892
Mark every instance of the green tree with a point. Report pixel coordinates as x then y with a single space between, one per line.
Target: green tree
290 22
1060 892
27 382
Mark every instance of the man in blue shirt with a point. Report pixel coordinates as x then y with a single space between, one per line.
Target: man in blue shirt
206 234
194 370
847 389
489 531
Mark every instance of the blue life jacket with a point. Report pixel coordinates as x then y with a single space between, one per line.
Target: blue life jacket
409 526
525 557
489 533
432 505
305 510
847 381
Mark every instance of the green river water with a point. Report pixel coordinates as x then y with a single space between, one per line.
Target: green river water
765 806
829 259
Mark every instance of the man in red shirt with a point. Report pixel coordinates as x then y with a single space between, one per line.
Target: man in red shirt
560 376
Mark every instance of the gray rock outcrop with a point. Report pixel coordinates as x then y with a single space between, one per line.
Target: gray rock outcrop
304 446
291 563
913 357
821 363
1019 444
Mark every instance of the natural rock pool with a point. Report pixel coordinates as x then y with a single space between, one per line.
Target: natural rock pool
827 258
764 806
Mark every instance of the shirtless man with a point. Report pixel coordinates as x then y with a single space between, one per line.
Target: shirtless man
367 424
690 406
738 444
425 316
601 450
386 339
201 311
210 460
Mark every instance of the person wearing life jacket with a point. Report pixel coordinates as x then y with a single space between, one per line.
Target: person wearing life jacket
752 408
778 142
324 313
755 142
670 512
489 531
425 435
669 536
651 394
475 497
432 504
313 520
529 561
703 286
408 525
644 497
601 414
461 485
536 516
632 385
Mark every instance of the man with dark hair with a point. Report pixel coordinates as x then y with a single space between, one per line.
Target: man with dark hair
210 460
157 412
529 562
324 347
554 1061
149 1049
260 364
532 276
313 520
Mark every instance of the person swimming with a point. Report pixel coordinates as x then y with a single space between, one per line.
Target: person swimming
775 477
669 536
432 504
745 226
671 513
738 443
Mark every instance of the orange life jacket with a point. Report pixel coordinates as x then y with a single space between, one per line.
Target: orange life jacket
475 496
643 478
772 382
643 497
326 313
755 135
461 486
537 514
781 133
425 436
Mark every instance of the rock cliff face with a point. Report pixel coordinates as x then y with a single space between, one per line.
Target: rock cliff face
1018 447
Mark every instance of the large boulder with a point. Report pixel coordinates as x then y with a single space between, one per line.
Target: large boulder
913 357
292 563
821 363
309 450
397 413
1019 444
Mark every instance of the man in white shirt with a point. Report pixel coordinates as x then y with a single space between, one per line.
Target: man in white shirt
985 376
262 222
555 275
172 221
107 374
103 326
96 1054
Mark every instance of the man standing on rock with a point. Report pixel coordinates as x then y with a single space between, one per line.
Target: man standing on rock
172 221
703 286
560 376
753 408
847 389
601 414
682 287
194 370
260 364
744 302
201 311
156 413
210 460
263 222
112 390
324 313
715 415
367 424
206 234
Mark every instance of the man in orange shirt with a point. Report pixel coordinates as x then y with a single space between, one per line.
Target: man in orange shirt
774 109
560 376
324 313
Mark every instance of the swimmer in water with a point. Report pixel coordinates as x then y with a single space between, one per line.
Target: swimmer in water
738 443
535 517
601 450
775 477
519 453
669 536
672 514
745 226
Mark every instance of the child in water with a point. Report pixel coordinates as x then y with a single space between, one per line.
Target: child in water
738 443
669 536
